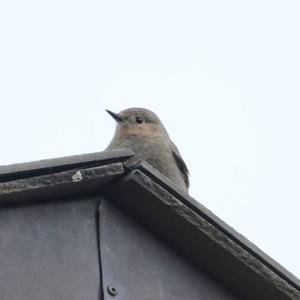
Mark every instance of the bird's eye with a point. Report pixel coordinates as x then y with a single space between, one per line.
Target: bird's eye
139 119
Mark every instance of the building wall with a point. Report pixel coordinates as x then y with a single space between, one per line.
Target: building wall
52 249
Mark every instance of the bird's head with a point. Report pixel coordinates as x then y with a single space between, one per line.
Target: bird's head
138 121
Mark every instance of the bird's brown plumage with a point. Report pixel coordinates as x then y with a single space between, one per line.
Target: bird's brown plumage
141 130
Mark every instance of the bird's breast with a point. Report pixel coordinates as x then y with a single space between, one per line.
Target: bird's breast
157 152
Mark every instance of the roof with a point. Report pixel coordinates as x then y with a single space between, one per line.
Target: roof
170 213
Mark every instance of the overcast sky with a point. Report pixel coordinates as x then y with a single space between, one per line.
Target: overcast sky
222 75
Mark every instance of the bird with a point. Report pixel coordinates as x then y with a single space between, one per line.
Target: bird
142 131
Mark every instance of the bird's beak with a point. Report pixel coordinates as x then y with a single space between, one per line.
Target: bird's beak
117 117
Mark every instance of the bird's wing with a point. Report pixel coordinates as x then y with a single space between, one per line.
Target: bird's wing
181 165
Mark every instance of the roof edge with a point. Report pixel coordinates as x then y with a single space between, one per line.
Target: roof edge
48 166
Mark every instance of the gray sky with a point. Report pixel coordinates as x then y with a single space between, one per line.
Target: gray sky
222 75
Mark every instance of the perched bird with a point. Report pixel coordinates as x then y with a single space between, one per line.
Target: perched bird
142 131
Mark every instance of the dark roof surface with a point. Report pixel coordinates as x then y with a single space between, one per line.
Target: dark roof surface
172 214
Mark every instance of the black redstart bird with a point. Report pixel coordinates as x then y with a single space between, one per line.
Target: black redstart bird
142 131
